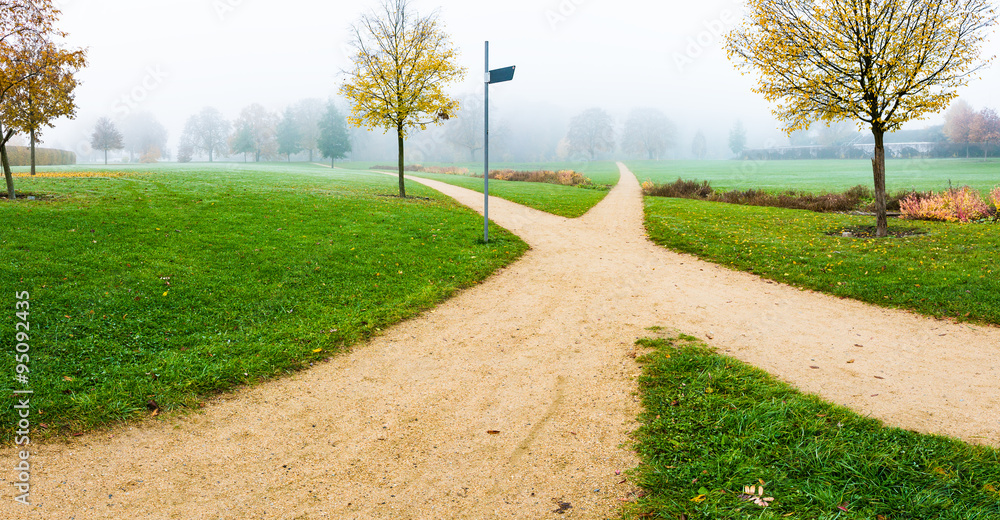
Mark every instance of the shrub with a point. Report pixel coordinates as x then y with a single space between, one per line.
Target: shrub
21 156
995 198
955 205
679 189
563 177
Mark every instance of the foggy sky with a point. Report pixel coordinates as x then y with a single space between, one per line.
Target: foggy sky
172 58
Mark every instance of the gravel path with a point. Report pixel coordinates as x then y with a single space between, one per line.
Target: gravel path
540 353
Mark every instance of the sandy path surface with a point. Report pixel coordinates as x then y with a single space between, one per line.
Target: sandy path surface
398 428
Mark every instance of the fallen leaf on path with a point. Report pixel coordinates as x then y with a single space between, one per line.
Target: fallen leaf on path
493 432
850 361
879 377
813 366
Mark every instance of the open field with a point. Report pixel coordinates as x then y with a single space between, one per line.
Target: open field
174 282
950 271
565 201
825 175
713 425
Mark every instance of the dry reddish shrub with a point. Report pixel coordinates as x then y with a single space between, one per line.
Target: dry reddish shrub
956 205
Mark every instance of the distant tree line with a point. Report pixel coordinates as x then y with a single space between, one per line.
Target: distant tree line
309 126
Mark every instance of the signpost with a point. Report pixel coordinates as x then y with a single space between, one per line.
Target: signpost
492 76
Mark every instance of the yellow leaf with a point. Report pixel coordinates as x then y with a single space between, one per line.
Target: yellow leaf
698 499
317 350
165 292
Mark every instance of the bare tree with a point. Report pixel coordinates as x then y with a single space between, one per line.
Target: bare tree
591 132
106 137
308 114
738 138
699 145
648 133
958 124
144 136
255 132
465 129
207 131
985 129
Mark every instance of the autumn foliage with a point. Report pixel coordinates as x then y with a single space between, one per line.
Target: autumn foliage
879 63
955 205
401 64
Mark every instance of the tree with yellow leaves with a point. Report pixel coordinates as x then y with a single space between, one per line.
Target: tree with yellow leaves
401 63
878 62
36 76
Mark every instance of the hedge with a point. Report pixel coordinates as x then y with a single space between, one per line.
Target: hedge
21 156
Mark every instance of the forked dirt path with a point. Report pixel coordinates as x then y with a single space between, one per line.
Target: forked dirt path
398 428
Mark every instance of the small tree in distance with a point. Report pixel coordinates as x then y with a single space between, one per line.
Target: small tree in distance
699 145
738 138
334 141
106 137
880 63
591 132
648 133
985 129
401 63
288 134
958 124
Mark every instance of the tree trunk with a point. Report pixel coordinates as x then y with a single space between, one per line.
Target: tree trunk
310 155
333 162
8 176
105 156
399 137
32 138
878 168
210 159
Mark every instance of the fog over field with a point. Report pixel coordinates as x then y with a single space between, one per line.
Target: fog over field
171 59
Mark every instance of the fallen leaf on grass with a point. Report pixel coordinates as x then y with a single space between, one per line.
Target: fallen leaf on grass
698 499
67 378
755 494
317 350
843 507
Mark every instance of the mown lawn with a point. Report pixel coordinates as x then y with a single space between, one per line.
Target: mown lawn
566 201
948 271
825 175
175 282
713 425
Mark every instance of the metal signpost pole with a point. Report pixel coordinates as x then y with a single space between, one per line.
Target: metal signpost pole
486 151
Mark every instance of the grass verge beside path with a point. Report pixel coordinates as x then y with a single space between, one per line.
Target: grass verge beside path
713 425
171 284
818 176
950 271
565 201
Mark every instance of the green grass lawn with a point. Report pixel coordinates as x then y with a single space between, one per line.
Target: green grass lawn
825 175
713 425
566 201
951 271
176 282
